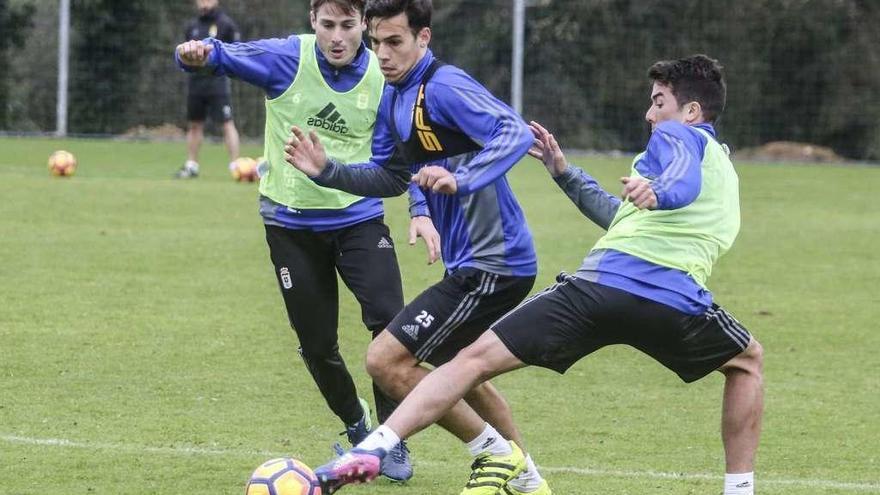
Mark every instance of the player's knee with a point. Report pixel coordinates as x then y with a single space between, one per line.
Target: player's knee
750 361
387 360
470 360
756 353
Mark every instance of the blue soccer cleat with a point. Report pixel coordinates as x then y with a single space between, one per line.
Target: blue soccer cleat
396 466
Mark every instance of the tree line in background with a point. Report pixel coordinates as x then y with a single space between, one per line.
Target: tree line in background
799 70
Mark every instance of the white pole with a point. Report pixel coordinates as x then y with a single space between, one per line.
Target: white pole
63 52
516 77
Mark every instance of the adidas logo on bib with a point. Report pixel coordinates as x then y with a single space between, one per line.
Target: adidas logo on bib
329 119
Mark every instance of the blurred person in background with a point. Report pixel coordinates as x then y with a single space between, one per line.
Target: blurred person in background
208 96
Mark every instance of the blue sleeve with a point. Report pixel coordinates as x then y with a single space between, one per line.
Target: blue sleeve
457 101
595 203
268 64
418 205
673 162
383 146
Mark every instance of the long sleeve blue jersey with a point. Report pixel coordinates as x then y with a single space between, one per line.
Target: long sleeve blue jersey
672 162
482 225
271 65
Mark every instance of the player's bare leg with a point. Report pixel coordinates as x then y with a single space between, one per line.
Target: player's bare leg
230 137
396 371
493 407
741 414
194 136
441 389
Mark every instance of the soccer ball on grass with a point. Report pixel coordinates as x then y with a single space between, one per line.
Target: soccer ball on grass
283 476
244 169
62 163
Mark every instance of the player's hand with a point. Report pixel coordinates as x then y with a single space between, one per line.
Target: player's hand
437 179
305 152
194 53
546 149
423 227
639 191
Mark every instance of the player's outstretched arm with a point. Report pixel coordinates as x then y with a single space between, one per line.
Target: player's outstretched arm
546 150
594 202
306 153
194 53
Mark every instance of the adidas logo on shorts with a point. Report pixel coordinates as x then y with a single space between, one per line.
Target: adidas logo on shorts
411 330
384 243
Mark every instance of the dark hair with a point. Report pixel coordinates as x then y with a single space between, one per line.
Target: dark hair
348 6
418 12
696 78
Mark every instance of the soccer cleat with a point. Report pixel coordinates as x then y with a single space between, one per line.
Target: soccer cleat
354 466
189 170
186 173
490 472
396 466
543 489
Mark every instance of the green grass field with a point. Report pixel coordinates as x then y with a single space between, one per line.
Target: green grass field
144 348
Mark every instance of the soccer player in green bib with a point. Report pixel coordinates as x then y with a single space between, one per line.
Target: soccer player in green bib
329 82
643 284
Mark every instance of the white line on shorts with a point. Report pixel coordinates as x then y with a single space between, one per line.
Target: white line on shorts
612 473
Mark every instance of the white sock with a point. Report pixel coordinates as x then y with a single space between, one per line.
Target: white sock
232 165
529 480
489 441
191 165
382 437
739 484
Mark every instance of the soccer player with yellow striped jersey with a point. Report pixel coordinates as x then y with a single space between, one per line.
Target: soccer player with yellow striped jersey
643 284
332 83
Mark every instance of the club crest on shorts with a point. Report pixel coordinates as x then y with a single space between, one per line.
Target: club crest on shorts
286 280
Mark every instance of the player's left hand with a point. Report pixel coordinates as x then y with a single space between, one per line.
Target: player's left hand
438 179
423 227
305 152
638 190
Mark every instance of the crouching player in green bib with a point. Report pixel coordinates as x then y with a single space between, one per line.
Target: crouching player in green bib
643 284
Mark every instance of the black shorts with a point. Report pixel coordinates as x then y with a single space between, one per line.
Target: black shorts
214 105
451 314
569 320
306 266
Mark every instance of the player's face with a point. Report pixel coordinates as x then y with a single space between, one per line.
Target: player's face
339 33
206 6
396 47
664 106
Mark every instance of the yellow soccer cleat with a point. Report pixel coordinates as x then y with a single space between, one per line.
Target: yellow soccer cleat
489 473
543 489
